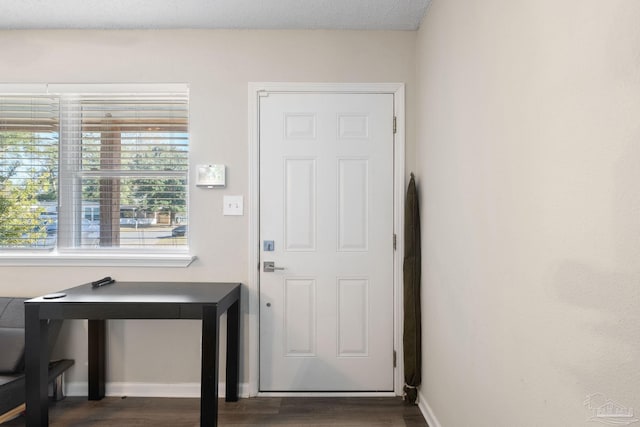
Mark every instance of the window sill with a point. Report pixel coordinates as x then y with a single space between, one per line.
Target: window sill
57 259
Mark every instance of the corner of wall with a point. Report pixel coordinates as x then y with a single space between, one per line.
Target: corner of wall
427 412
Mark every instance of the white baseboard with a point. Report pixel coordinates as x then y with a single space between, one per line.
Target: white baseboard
149 389
427 412
326 394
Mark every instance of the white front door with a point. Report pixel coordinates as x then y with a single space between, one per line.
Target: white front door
326 224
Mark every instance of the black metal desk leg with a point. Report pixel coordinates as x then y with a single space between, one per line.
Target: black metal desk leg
233 352
209 381
96 359
36 367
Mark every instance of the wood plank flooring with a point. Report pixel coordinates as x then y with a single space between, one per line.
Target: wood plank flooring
262 411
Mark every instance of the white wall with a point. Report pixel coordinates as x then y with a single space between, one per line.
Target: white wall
217 65
529 151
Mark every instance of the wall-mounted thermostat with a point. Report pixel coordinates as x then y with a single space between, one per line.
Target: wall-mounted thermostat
211 176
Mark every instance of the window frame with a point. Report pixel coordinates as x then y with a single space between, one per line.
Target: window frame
66 252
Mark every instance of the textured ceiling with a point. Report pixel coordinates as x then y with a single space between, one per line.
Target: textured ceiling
241 14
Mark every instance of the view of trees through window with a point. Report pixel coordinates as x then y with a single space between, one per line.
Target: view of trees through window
134 191
120 181
28 183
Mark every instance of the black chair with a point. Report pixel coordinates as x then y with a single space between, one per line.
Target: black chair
12 378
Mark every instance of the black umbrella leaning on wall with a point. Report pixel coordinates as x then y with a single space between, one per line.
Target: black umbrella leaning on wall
412 342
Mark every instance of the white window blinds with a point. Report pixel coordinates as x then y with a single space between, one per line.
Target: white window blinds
129 158
122 179
28 170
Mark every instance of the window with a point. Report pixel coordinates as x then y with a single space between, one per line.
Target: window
95 168
28 170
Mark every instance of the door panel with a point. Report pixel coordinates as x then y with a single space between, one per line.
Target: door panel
300 204
353 204
300 317
326 201
353 317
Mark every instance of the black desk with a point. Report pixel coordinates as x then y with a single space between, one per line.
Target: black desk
134 300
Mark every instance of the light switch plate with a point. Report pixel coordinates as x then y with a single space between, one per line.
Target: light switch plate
232 205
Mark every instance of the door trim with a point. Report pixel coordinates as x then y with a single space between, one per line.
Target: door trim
253 318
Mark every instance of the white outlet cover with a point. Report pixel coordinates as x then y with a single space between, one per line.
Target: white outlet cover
232 205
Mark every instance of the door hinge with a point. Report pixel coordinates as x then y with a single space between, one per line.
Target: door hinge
395 128
395 363
395 240
262 93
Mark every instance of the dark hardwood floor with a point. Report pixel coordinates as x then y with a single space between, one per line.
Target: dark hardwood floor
285 411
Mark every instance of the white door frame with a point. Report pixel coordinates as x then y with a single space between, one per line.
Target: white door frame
255 89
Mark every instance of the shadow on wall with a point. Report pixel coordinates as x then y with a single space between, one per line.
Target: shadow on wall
613 297
597 342
626 202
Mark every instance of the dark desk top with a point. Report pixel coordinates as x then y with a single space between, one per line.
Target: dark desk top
139 300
